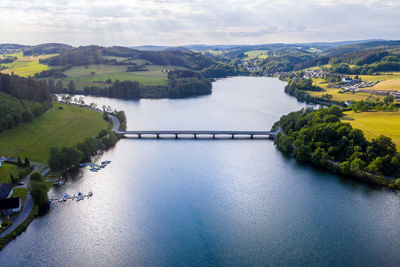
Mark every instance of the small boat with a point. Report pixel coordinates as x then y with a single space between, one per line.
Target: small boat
79 194
82 197
60 199
78 199
65 195
90 193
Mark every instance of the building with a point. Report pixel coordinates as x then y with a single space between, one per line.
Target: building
6 191
1 221
349 80
10 205
2 159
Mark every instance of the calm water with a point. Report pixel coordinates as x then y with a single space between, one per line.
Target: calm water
205 202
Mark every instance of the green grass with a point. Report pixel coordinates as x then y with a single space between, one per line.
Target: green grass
155 76
374 124
20 192
5 171
55 128
25 65
257 54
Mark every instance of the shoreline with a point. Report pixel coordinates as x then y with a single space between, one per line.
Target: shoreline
21 227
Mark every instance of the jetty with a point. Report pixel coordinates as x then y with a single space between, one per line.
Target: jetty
66 197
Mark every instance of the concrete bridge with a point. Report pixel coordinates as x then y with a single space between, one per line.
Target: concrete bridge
196 134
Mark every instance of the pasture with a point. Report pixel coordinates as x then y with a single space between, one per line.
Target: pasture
97 75
56 128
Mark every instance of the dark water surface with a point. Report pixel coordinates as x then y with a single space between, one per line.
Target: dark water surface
205 202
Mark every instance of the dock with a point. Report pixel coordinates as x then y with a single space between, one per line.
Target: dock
73 197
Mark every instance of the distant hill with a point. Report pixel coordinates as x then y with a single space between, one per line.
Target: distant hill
46 49
42 49
88 55
361 46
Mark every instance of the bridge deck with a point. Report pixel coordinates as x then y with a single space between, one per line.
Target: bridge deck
195 133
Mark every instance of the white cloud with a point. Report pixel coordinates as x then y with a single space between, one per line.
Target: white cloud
125 22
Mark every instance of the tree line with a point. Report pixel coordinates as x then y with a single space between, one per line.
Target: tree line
24 88
67 157
180 84
14 111
299 87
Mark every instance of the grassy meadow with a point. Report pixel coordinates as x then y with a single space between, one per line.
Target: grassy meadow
97 75
56 128
262 54
25 65
374 124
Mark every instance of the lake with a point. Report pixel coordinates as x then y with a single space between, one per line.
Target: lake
211 202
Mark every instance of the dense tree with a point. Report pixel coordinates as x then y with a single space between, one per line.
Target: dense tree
319 136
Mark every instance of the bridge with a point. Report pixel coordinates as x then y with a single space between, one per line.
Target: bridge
196 134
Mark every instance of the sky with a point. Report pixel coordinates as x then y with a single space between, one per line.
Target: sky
167 22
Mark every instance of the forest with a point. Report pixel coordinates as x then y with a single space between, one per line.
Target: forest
319 136
21 100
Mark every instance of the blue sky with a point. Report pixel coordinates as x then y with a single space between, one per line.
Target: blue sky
167 22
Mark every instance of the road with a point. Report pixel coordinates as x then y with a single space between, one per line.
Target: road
27 207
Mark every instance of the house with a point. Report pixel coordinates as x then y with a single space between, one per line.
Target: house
10 205
6 191
2 159
347 103
349 80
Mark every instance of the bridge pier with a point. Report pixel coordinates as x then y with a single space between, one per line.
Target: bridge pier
158 136
213 136
139 136
176 136
251 136
195 136
233 136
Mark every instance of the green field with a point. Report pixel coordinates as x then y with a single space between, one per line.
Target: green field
55 128
263 54
336 96
5 171
97 75
25 66
374 124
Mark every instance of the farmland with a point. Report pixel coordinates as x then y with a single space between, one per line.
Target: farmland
374 124
389 81
25 66
336 96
